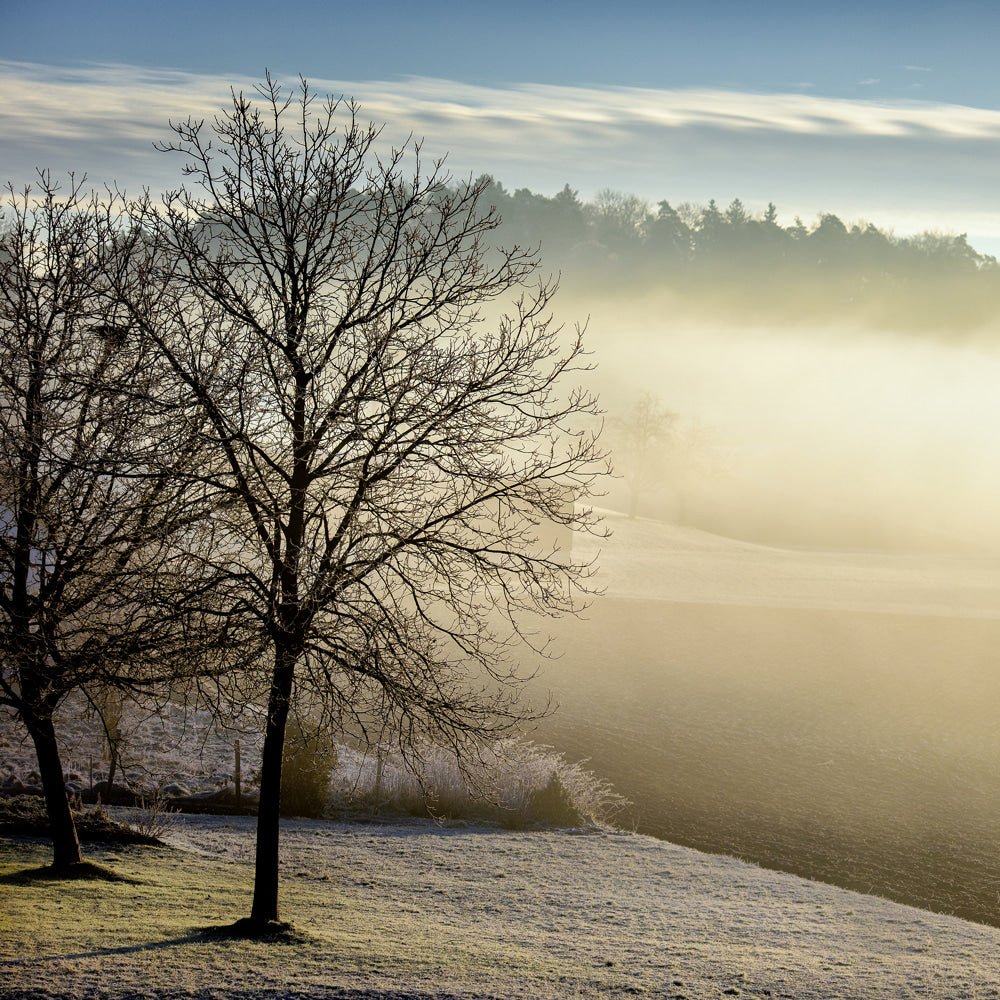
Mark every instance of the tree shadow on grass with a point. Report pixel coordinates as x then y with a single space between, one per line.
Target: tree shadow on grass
242 930
84 871
192 937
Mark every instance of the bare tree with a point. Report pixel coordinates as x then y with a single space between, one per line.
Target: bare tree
618 218
392 451
108 705
95 587
640 436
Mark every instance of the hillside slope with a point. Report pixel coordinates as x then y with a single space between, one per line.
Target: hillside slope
827 713
658 561
421 911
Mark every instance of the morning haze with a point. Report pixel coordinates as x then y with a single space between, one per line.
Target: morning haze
802 581
823 383
805 657
508 512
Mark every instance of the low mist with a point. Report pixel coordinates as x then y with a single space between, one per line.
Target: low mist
793 656
827 436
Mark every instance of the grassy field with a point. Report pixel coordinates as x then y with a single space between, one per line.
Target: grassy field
421 911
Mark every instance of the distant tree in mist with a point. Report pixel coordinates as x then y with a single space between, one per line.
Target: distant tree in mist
668 236
715 256
829 242
640 438
531 219
618 219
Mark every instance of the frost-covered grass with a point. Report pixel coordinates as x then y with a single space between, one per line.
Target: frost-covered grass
514 782
829 713
427 911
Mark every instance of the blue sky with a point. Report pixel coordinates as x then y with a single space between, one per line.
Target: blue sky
884 111
945 51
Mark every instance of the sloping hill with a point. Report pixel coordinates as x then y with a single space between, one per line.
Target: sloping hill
827 713
660 561
421 911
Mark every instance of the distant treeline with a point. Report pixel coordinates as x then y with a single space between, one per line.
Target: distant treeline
723 259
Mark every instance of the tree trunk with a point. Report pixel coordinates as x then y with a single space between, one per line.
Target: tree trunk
112 768
265 888
65 843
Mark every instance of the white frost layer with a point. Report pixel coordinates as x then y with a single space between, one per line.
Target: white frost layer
408 912
662 915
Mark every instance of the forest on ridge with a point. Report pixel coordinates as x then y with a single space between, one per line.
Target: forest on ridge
732 260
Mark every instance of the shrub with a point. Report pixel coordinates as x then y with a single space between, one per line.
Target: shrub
514 782
25 815
310 757
152 817
553 805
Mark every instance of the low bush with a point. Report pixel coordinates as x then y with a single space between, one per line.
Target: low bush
24 815
553 805
310 757
514 782
152 817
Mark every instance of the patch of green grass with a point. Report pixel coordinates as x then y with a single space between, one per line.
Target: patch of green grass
170 926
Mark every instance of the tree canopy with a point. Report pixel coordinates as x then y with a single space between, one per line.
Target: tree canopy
391 412
101 506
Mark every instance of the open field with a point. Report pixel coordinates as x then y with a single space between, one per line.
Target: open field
824 713
420 911
830 714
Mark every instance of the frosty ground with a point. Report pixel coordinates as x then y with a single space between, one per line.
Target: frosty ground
421 910
810 673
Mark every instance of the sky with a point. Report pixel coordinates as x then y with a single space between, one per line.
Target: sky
887 112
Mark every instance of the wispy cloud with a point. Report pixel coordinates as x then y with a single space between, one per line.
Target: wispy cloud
878 158
131 103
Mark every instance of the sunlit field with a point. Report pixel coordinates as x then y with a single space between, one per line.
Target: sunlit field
420 911
828 714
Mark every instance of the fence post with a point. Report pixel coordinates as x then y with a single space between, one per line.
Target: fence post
237 775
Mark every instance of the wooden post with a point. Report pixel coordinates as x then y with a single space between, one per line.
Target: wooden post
378 780
237 776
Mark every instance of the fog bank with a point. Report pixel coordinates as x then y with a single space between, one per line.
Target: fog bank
825 436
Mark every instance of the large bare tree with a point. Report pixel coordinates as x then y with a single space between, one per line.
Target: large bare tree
393 453
97 588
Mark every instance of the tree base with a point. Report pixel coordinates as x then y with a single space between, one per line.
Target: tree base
81 871
248 929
